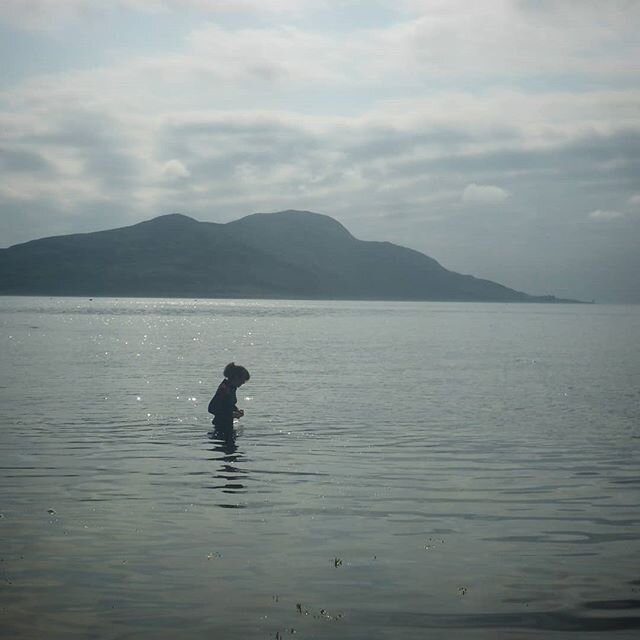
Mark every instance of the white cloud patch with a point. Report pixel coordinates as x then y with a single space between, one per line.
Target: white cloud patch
175 169
602 215
484 194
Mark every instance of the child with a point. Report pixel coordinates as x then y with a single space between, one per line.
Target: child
223 404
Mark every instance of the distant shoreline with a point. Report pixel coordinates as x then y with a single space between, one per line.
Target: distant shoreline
542 300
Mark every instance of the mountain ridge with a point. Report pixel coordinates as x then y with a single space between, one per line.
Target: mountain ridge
285 254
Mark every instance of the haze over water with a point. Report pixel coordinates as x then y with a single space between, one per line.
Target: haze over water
403 470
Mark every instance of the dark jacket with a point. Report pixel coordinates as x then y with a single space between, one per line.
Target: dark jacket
223 404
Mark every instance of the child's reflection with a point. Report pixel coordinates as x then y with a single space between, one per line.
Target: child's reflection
224 442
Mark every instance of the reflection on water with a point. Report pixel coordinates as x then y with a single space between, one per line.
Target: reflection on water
229 473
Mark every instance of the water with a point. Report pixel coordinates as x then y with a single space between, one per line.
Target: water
404 470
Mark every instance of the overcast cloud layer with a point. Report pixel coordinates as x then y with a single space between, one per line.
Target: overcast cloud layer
500 137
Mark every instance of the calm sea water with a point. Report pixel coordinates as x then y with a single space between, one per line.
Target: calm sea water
403 470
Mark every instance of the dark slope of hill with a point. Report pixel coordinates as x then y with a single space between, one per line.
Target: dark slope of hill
295 254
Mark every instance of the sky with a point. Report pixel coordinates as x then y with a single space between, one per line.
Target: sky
500 137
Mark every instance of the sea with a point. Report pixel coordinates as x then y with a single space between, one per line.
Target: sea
404 470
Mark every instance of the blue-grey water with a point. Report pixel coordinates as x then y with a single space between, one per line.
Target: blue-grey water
403 470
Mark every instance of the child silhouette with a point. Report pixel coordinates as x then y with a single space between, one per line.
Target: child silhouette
223 404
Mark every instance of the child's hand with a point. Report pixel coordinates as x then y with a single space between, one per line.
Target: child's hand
238 414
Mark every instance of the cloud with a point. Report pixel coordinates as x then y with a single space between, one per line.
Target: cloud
279 54
601 215
403 156
174 169
497 40
484 194
41 14
68 155
516 38
47 15
21 161
634 199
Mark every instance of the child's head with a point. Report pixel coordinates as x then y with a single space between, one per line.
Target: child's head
236 374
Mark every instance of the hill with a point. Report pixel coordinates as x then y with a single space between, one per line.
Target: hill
289 254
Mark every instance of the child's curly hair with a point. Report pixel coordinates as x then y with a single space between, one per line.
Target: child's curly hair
233 370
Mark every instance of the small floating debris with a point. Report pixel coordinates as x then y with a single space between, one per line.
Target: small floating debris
337 562
215 554
431 543
462 591
322 614
327 616
51 512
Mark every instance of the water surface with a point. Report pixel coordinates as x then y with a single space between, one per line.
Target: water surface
404 470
